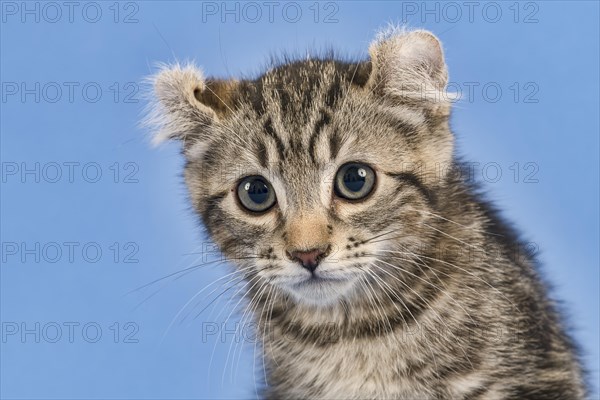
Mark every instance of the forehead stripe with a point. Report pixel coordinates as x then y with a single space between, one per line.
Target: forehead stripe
262 154
268 126
324 120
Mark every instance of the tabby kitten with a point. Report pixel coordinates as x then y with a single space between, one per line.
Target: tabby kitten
373 268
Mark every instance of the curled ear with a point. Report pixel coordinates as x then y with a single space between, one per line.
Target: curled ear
408 64
186 105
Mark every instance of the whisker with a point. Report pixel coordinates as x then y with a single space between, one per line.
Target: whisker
188 303
244 275
423 280
260 289
451 237
138 305
406 307
256 342
427 303
464 270
216 342
459 224
378 308
380 235
390 290
193 267
235 281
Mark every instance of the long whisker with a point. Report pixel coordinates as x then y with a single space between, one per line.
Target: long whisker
378 308
427 266
187 304
451 237
256 342
191 268
182 274
423 280
459 224
264 338
261 287
250 309
405 306
464 270
236 280
390 290
216 342
380 235
425 302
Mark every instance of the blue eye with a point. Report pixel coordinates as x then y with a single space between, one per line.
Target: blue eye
256 193
354 181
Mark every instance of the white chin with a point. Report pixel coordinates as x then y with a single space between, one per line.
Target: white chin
320 292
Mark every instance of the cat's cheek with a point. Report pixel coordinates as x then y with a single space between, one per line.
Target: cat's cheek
342 210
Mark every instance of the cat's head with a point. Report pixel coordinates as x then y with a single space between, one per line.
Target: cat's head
309 176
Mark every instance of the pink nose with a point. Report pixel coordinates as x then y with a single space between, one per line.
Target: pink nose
308 259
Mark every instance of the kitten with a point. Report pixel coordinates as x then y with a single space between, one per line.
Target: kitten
373 269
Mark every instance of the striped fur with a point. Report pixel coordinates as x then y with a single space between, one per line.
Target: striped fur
434 296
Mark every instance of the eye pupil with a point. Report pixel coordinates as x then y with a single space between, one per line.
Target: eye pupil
354 181
256 194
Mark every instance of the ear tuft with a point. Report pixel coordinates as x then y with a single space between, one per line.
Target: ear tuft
408 64
175 112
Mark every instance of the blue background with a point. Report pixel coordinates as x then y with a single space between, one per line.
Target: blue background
550 48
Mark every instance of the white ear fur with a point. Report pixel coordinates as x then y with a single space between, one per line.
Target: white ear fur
175 113
408 64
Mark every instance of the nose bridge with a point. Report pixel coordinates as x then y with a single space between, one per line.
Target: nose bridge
307 231
307 220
